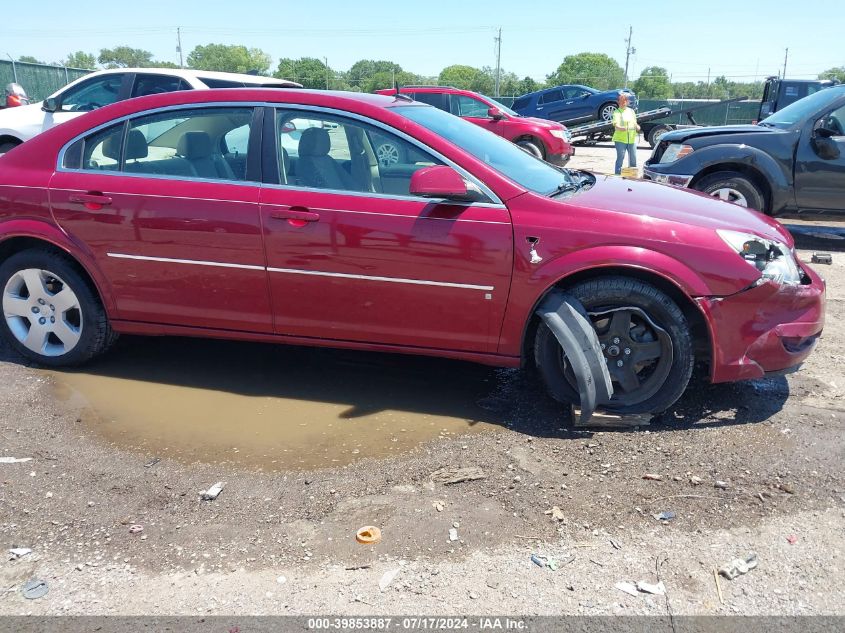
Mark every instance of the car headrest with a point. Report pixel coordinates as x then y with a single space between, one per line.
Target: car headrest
315 141
194 145
136 146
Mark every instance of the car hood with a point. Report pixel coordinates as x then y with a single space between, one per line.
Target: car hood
716 130
22 122
653 201
550 125
10 116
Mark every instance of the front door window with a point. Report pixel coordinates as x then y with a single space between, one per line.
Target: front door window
92 94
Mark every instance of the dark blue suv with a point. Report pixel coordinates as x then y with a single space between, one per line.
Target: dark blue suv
572 103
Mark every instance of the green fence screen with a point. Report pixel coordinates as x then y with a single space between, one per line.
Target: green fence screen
723 114
39 80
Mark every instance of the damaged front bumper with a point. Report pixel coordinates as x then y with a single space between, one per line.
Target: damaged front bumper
766 329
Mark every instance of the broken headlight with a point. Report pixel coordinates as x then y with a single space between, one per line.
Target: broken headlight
775 261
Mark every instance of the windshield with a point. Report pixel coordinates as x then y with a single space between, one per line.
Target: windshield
803 108
501 106
503 156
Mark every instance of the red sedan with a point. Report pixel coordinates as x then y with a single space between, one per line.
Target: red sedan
266 215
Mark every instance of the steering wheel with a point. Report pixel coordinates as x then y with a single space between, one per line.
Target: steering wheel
86 107
834 124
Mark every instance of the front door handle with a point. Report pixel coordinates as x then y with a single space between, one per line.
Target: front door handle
93 200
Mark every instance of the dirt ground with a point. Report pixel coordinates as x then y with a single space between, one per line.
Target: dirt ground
280 539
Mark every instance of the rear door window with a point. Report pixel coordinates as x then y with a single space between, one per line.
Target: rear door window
551 96
437 99
146 84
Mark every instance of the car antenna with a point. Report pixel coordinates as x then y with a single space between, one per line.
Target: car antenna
400 95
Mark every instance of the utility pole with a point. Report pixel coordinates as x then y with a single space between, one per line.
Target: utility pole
629 50
498 61
179 46
326 59
708 81
785 57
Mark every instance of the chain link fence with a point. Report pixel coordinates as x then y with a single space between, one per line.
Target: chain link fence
39 80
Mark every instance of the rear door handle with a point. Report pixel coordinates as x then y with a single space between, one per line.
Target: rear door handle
92 200
300 214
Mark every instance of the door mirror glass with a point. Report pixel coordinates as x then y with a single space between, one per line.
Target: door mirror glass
825 147
495 114
438 181
50 105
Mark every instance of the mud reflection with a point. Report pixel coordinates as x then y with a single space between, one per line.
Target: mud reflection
274 406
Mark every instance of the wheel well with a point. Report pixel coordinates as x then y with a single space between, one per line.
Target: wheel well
532 139
605 104
749 172
698 326
15 245
9 139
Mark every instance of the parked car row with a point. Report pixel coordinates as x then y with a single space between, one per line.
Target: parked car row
271 215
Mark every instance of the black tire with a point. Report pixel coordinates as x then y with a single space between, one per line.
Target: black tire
532 148
663 379
6 146
604 108
655 133
94 331
737 186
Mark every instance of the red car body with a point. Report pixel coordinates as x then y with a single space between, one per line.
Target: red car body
550 137
182 256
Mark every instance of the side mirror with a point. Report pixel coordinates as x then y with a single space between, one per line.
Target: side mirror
585 95
50 104
438 181
825 132
495 114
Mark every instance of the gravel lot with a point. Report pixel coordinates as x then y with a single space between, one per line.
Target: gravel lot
282 541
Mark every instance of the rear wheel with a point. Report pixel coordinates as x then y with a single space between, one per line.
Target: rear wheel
532 148
732 186
645 341
50 313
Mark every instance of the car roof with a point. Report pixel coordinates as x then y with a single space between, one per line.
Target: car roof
434 89
362 102
189 73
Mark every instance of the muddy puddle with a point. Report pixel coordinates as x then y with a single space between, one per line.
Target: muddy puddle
275 407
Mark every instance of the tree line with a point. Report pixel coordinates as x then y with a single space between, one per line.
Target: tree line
592 69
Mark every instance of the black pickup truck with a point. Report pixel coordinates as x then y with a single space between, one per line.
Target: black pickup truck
793 160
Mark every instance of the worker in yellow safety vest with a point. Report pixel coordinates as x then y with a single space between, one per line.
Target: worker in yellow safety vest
625 131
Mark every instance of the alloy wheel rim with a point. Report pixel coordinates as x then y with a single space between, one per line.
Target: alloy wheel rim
607 112
729 194
637 351
387 154
42 312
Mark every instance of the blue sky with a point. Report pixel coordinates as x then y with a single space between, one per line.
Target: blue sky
739 40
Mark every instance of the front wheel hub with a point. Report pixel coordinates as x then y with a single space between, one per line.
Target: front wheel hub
638 352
